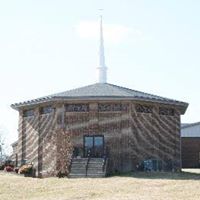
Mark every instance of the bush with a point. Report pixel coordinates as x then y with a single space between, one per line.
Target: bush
16 170
8 168
61 174
25 169
2 167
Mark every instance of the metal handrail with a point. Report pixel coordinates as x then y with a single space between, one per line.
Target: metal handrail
104 163
105 159
88 160
70 165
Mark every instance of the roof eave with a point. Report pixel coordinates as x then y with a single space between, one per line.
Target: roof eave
183 106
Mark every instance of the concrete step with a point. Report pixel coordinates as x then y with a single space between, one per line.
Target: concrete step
95 175
95 165
79 167
77 171
95 168
99 172
82 168
96 159
79 163
76 175
74 165
99 163
94 172
79 160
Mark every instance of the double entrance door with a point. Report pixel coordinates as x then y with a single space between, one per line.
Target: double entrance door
94 146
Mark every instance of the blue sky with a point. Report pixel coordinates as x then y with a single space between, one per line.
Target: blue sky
48 46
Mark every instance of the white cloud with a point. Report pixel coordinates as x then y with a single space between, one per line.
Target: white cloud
114 33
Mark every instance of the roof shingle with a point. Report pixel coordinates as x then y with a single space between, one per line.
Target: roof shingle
101 90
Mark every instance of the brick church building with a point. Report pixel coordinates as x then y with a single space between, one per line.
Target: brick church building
118 127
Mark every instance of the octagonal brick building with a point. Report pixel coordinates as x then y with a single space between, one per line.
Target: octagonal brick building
98 129
102 119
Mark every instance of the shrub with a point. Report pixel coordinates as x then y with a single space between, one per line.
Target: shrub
61 174
2 167
8 168
25 169
16 170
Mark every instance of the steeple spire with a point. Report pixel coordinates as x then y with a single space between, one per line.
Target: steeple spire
102 69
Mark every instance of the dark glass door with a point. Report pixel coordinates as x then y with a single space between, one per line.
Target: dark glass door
88 146
93 146
98 146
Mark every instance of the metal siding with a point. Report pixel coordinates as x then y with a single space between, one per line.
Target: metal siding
191 131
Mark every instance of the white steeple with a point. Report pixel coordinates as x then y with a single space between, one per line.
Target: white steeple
102 69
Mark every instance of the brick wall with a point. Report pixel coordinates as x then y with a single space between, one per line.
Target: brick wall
130 136
190 152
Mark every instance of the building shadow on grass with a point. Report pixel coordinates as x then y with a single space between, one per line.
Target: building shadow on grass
161 175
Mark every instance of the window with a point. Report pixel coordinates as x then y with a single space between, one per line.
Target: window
77 108
166 111
144 108
46 110
104 107
28 113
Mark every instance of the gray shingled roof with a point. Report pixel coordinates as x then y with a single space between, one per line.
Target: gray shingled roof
183 125
102 91
186 125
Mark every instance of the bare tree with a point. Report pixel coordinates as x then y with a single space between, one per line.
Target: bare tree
2 147
65 149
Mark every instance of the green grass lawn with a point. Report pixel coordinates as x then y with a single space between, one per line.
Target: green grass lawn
135 186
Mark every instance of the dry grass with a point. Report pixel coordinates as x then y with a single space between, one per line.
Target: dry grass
138 186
